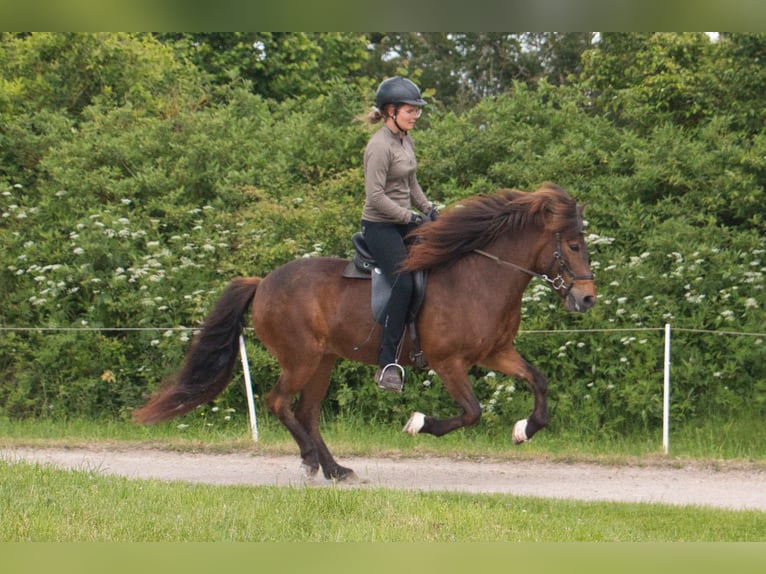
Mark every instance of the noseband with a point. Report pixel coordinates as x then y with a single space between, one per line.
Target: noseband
557 283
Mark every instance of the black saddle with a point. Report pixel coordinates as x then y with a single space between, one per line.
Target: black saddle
363 266
363 263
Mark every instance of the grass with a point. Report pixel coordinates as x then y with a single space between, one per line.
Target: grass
737 440
39 503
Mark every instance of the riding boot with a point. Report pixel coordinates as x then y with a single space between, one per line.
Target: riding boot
390 375
389 378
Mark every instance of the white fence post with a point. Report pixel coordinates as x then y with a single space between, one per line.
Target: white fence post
666 394
248 388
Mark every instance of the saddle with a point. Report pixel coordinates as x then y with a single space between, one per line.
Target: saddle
363 266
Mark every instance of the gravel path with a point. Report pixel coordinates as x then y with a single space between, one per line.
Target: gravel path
684 484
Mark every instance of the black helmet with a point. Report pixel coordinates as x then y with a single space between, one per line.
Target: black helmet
398 90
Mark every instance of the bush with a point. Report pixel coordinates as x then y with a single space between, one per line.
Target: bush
135 210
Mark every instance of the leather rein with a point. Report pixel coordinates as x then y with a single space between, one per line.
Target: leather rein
557 283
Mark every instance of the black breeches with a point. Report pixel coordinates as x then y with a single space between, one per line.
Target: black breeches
386 243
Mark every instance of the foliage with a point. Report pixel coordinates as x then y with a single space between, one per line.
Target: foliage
462 68
278 65
137 179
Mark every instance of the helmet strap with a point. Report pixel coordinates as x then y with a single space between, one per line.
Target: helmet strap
393 117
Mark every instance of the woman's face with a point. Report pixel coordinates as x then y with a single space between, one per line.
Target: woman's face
407 115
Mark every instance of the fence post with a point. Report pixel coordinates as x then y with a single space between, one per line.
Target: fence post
248 388
666 394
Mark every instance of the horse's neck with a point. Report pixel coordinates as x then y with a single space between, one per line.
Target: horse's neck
522 251
494 277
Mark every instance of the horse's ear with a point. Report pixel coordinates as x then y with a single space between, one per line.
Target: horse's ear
580 214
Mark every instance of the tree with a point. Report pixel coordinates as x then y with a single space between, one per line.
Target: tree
740 66
278 65
51 81
560 54
642 79
462 68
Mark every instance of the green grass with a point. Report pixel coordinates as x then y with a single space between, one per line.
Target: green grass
737 440
39 503
44 504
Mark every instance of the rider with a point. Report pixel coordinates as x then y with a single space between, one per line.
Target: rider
391 189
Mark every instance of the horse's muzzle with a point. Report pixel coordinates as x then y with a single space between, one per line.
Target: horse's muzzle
581 297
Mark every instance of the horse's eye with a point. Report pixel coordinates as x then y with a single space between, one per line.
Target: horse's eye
574 247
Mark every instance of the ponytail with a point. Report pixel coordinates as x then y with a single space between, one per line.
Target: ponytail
373 117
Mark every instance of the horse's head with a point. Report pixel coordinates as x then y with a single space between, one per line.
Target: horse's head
545 225
569 274
564 262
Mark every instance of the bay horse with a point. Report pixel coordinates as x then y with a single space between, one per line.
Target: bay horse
480 255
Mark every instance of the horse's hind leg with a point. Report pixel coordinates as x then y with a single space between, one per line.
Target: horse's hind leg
307 412
279 401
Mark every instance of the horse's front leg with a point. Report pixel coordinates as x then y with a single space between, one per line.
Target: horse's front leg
458 385
512 364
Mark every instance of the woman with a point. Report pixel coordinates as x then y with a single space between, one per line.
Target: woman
391 189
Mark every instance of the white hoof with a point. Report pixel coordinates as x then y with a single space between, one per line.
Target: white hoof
520 432
415 424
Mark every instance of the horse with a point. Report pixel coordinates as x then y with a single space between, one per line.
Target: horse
480 255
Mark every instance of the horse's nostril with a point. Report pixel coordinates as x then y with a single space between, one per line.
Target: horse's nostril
589 301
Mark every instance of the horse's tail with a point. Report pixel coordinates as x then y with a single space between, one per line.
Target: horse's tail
210 360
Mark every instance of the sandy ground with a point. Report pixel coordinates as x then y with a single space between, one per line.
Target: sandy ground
681 484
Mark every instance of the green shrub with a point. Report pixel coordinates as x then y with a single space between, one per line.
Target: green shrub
134 206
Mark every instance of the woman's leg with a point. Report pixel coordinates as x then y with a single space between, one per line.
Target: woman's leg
386 243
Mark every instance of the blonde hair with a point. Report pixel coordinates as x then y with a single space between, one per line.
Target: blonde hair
374 115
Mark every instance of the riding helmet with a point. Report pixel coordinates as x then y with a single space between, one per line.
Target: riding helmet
398 90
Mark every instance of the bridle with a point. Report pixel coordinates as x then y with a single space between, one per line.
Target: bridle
557 283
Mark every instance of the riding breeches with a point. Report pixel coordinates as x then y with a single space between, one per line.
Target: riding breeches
386 243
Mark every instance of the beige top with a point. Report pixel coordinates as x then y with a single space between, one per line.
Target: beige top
390 181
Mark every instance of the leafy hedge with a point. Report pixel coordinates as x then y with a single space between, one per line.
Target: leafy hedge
134 210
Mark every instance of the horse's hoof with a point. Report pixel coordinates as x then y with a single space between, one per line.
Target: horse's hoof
343 475
309 470
520 432
348 478
415 424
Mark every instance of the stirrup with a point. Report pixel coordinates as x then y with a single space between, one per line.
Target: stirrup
383 372
397 365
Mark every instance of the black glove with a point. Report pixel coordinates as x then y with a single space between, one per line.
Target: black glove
433 214
417 219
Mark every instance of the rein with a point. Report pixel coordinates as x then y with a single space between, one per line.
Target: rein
557 283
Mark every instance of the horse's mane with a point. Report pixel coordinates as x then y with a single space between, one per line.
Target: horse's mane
478 221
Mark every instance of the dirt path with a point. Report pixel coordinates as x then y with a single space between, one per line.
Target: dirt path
689 484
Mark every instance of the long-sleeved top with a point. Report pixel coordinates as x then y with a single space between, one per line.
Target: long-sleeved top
390 181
